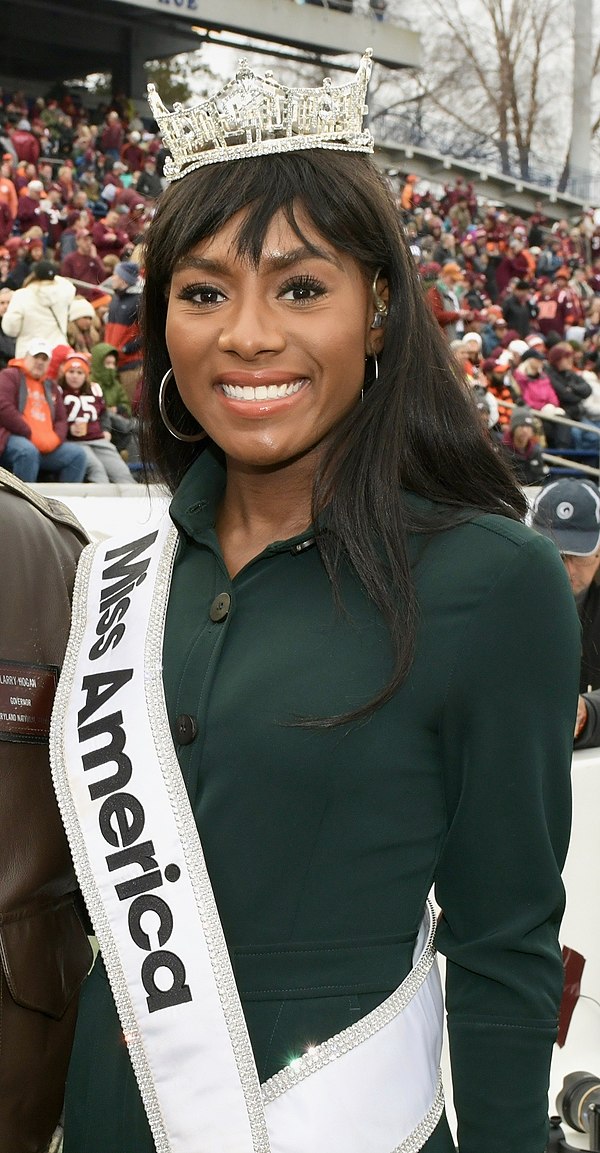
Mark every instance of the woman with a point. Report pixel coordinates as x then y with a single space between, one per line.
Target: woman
351 587
40 309
89 423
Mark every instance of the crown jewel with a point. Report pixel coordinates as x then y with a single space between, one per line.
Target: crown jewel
255 116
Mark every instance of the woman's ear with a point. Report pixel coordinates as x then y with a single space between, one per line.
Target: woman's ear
380 298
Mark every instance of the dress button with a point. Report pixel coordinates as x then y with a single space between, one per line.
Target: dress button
219 609
185 729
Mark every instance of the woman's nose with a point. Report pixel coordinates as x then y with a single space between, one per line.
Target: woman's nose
250 328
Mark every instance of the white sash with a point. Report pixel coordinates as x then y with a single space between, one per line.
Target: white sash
375 1087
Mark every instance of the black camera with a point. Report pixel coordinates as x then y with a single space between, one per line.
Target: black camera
579 1106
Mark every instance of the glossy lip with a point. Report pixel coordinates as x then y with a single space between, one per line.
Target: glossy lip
258 409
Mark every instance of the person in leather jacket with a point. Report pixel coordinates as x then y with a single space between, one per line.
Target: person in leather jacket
44 949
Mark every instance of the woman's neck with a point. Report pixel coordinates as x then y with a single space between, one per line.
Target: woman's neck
260 506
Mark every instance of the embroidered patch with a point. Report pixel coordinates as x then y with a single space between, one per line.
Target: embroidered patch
26 699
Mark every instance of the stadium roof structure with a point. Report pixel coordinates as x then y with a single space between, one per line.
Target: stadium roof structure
45 41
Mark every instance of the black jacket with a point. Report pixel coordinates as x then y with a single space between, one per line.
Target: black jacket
570 389
589 679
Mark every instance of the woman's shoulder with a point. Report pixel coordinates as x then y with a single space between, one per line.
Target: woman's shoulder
485 539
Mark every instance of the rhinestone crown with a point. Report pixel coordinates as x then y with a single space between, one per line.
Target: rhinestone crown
255 116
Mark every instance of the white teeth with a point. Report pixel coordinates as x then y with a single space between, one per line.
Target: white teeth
262 391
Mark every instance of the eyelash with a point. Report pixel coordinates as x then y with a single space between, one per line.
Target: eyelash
302 283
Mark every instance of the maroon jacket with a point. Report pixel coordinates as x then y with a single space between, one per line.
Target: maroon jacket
13 398
76 266
26 145
103 239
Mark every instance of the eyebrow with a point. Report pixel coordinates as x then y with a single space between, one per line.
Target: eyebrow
274 262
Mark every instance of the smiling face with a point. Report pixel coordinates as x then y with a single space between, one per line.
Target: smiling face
269 358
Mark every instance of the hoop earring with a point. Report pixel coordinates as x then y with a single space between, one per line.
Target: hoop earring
163 412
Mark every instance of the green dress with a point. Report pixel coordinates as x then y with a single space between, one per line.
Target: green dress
322 845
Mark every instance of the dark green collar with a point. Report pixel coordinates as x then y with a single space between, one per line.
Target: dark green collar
195 503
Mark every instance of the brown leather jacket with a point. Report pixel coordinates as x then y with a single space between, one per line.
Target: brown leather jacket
44 949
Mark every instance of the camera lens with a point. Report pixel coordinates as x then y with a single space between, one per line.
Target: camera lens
579 1091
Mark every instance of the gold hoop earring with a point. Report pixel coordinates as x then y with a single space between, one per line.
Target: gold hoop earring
163 413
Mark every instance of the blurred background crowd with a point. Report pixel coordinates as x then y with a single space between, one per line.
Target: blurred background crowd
518 298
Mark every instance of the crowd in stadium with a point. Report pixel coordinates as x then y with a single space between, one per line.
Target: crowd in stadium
517 297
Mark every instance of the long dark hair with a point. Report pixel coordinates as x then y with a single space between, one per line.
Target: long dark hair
417 429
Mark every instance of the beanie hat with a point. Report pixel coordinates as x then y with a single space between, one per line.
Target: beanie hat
532 354
518 346
490 364
128 270
430 271
74 360
557 352
522 417
568 512
44 270
80 307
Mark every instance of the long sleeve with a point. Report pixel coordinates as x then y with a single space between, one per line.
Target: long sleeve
507 734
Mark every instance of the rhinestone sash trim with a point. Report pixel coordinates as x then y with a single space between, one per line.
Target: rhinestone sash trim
352 1036
422 1132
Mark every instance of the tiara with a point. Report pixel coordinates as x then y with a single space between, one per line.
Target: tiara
255 116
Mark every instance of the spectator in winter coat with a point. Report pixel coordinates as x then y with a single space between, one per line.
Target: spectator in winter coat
108 236
7 343
112 136
535 386
569 386
568 512
445 303
519 309
149 184
84 328
8 192
122 328
520 443
123 426
552 313
30 210
40 309
25 144
33 421
84 264
89 423
502 385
